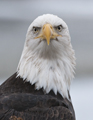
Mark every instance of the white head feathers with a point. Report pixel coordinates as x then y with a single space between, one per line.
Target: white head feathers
50 67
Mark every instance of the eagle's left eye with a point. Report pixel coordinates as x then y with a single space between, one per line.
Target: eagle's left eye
36 29
59 28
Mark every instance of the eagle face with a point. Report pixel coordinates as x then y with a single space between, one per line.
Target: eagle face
47 33
48 59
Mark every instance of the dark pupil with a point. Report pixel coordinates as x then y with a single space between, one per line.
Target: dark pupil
58 27
35 29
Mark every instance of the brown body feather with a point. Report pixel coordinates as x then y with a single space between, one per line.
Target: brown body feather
19 98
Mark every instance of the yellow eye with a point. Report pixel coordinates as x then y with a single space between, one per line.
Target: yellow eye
59 28
36 29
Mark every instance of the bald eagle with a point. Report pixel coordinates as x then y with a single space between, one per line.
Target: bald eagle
39 89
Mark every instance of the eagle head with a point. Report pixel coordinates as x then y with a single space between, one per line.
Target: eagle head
48 60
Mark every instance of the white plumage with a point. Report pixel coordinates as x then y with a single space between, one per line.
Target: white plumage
50 67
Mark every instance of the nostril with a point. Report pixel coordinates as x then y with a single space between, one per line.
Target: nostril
43 27
51 27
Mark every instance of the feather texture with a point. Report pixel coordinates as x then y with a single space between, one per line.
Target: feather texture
48 67
19 99
39 90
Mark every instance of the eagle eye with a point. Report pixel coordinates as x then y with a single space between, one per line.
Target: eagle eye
59 28
36 29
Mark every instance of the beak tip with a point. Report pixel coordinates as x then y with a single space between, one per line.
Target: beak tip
48 43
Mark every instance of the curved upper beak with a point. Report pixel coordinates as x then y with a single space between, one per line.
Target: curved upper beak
47 33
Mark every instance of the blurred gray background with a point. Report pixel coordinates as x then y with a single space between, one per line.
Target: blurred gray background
16 16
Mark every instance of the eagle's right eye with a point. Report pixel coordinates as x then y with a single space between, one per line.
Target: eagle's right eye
36 29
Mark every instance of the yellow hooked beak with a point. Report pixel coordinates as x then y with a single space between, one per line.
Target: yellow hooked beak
47 33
